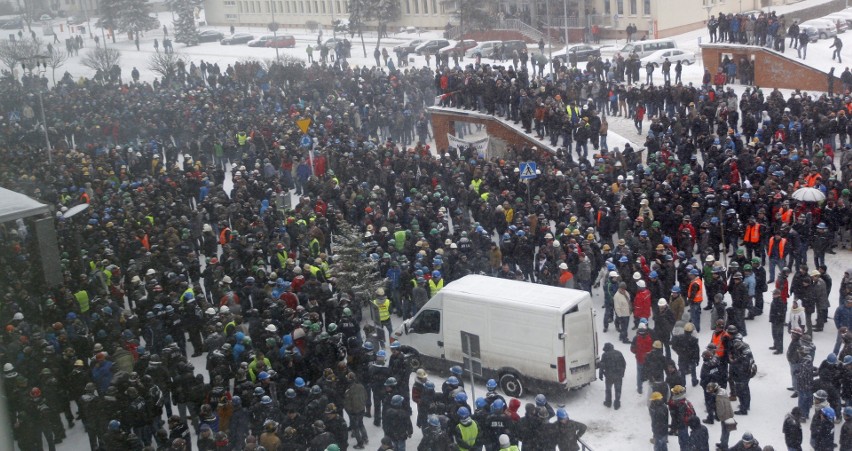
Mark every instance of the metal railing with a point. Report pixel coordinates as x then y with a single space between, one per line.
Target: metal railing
507 24
584 446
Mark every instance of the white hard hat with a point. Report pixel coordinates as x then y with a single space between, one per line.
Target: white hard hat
135 279
224 309
637 276
613 274
662 302
227 279
210 311
640 284
8 367
150 272
563 265
18 316
271 328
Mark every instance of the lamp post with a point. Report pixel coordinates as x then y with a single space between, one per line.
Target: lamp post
273 26
40 63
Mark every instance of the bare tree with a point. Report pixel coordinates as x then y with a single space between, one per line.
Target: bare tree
13 53
165 64
55 60
101 59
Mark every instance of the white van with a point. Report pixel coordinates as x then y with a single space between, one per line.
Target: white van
645 48
518 333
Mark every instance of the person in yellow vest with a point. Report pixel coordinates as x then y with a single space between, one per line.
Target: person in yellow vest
435 283
314 247
242 138
383 304
476 183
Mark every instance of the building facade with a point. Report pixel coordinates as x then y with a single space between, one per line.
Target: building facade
424 14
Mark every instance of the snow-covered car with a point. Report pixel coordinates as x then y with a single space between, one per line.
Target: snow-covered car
673 55
331 43
576 53
484 49
458 48
237 38
409 46
75 20
261 41
210 36
431 46
45 18
825 28
813 33
841 21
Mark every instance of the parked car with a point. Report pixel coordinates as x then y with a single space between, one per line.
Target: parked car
210 36
458 48
75 20
45 18
825 28
13 24
409 46
511 46
841 22
431 46
813 34
282 41
261 41
237 38
484 49
576 53
673 55
331 43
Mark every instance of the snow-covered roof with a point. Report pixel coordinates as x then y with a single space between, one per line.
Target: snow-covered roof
14 205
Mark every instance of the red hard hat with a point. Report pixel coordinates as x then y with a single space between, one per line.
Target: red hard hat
100 357
35 392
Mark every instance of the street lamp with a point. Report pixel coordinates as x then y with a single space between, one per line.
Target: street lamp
273 27
39 63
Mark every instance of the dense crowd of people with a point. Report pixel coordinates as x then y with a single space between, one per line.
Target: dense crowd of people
190 236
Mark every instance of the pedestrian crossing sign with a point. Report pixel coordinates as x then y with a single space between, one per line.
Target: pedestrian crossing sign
528 170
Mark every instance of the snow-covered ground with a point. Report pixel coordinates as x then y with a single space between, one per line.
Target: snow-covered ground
628 428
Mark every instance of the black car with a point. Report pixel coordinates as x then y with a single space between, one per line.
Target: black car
210 36
511 46
237 38
579 52
409 46
432 46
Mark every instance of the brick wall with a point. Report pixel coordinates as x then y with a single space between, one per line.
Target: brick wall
772 69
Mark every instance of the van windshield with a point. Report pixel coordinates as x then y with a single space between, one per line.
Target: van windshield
627 48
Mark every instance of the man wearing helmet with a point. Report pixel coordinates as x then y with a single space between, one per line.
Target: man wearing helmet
396 422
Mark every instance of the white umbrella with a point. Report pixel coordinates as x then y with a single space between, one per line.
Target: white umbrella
74 210
808 195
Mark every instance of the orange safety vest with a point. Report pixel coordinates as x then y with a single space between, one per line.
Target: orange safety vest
787 215
752 233
699 285
716 339
811 180
781 245
224 236
85 198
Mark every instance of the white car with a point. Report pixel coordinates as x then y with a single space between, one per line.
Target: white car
841 21
673 55
485 49
825 28
45 18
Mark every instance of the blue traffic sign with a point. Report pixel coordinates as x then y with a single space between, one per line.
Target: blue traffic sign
306 141
528 170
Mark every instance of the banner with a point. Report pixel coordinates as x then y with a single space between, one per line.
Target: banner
481 145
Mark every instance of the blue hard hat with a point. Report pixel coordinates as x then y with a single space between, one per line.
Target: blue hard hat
829 413
237 401
433 420
397 400
463 412
610 267
436 274
299 382
491 384
562 414
452 380
623 259
266 400
694 272
847 412
540 400
480 403
395 345
381 354
368 345
521 233
290 393
460 397
497 406
832 358
263 375
258 391
653 275
457 370
114 425
643 233
675 289
667 240
429 385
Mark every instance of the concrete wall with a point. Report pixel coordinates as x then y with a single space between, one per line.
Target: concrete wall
502 133
772 69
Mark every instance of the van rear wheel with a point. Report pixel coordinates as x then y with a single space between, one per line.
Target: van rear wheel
511 385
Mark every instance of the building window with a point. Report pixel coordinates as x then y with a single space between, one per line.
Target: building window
407 7
231 16
425 6
266 4
619 6
647 7
416 6
302 7
230 3
434 6
287 7
607 7
252 6
316 6
240 7
632 7
322 3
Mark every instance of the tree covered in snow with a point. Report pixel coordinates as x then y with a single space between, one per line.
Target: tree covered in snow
382 12
108 20
135 16
185 29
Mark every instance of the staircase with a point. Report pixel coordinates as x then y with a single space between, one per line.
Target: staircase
528 31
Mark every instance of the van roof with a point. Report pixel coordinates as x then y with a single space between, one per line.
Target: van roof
516 292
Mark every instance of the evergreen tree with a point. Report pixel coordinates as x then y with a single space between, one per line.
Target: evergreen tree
109 12
185 29
135 16
353 269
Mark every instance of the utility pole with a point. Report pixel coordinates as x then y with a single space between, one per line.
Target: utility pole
549 37
565 14
274 27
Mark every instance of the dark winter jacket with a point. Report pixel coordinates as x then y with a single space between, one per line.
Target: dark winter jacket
792 432
612 364
659 418
699 439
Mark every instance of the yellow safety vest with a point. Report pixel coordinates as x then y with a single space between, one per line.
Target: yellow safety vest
476 183
242 138
435 287
384 309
